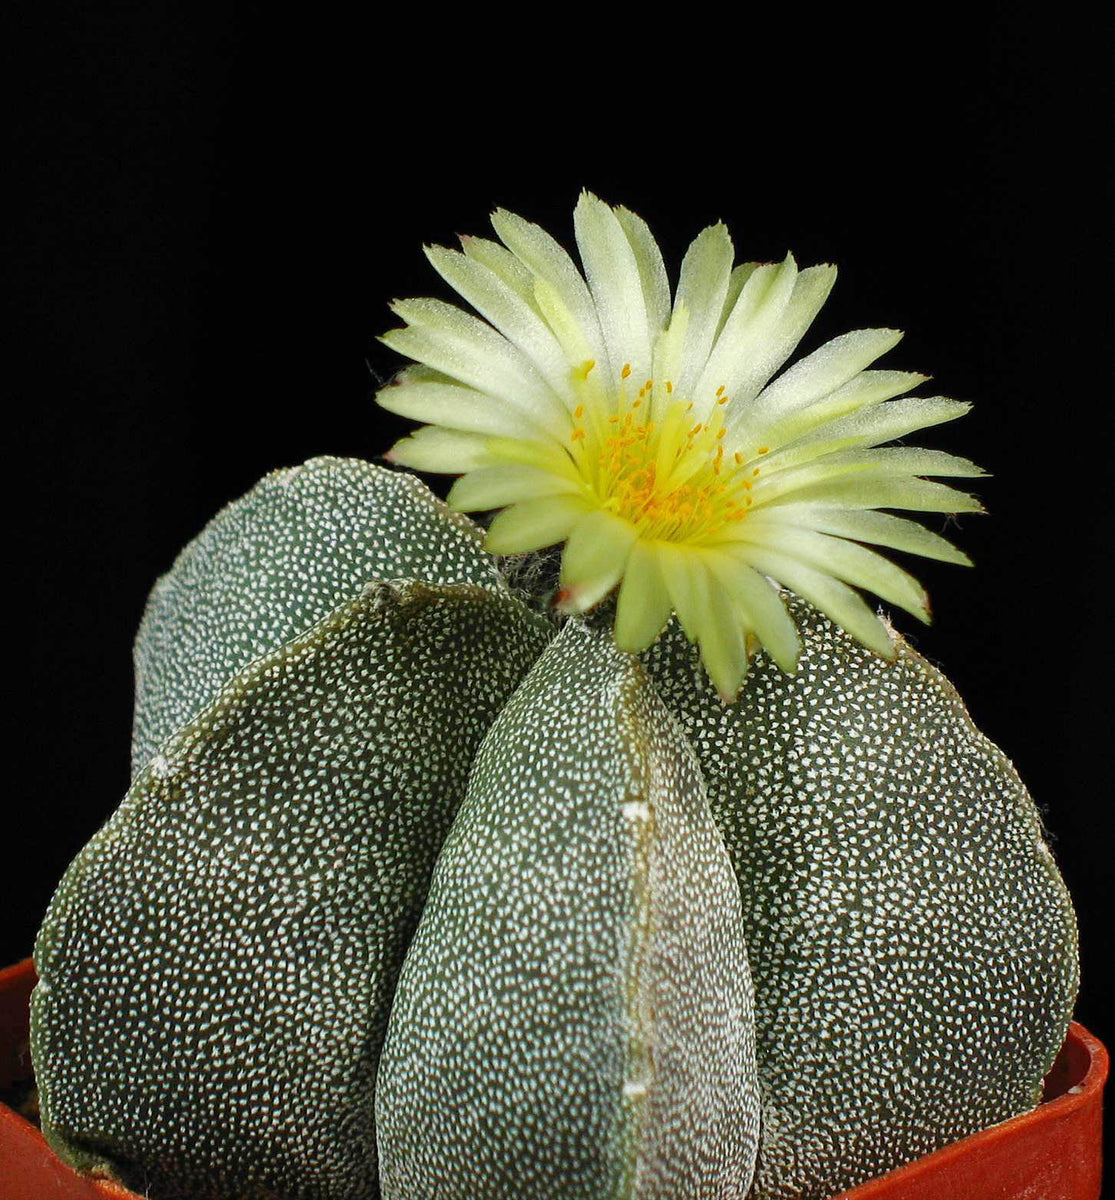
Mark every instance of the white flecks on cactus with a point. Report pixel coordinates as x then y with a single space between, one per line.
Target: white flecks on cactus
574 1015
274 562
217 965
912 944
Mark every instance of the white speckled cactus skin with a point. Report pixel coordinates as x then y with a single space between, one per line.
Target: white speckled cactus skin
416 893
625 1071
913 946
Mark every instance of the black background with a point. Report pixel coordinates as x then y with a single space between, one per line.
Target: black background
216 208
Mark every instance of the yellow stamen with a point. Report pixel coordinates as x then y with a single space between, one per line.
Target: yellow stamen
673 482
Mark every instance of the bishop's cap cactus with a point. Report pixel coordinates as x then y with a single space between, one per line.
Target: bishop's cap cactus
440 877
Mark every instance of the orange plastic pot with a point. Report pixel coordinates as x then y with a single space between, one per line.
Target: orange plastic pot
1052 1153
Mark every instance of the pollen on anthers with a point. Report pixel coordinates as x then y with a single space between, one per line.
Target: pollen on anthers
648 461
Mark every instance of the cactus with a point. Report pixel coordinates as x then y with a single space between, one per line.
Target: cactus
426 887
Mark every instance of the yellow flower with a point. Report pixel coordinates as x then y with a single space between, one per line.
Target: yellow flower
649 437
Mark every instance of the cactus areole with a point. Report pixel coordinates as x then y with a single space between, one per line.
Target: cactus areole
456 867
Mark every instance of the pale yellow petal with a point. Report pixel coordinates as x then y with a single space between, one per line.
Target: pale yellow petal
444 451
594 559
534 524
506 483
643 607
832 597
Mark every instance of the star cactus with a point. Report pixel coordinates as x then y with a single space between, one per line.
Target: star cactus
426 886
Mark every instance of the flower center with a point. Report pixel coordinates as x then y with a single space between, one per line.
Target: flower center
647 460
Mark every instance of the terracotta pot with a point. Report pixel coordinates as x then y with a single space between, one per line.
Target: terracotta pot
1052 1153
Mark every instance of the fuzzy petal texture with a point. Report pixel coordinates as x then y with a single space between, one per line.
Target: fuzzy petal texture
912 943
574 1015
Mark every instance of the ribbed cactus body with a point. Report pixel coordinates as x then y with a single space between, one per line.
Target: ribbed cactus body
574 1017
217 965
650 913
912 943
279 560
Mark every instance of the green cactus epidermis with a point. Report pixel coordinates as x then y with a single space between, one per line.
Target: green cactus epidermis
412 890
606 1048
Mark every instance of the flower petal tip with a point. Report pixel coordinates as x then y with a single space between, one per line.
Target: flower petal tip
790 666
565 600
572 601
